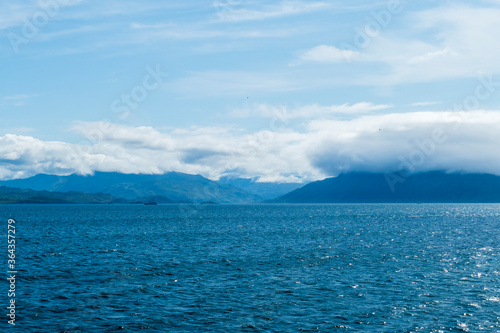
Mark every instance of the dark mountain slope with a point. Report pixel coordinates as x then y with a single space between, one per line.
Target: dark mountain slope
423 187
173 185
9 195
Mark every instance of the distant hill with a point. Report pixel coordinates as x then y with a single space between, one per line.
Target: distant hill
423 187
264 190
9 195
172 186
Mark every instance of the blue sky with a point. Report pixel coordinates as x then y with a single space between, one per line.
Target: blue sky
273 90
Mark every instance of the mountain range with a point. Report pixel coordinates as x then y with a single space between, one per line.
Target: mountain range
263 189
168 187
429 187
175 187
9 195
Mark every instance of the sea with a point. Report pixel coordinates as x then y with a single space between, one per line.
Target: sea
253 268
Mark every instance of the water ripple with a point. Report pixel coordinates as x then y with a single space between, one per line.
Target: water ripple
258 268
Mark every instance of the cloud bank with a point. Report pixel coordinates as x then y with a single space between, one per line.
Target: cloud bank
418 141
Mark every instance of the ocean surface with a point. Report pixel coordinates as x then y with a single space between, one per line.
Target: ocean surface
255 268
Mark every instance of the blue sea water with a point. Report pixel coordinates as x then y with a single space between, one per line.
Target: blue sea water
256 268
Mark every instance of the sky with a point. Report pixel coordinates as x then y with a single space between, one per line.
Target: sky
276 91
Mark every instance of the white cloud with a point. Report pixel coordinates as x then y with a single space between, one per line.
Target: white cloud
24 156
17 97
141 33
432 55
17 100
458 43
89 10
328 54
14 15
224 83
442 43
425 103
382 143
229 11
307 111
357 108
420 140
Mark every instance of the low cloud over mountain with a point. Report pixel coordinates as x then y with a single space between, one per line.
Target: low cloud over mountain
408 142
